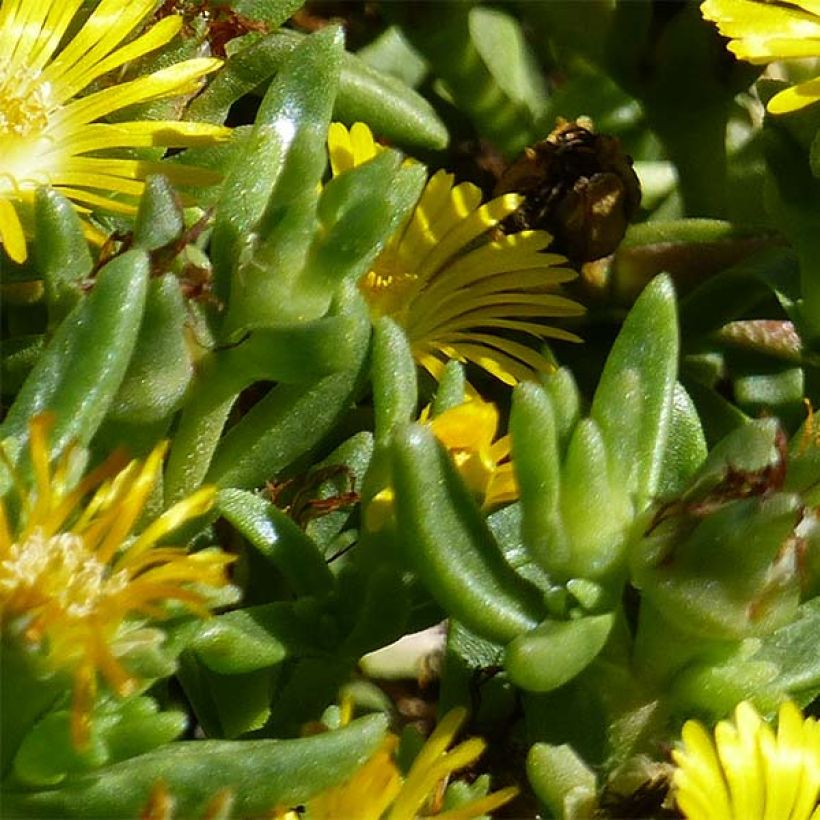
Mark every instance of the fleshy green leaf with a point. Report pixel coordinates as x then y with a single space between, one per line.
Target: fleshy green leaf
259 773
395 392
61 252
161 367
446 540
556 651
562 781
79 373
279 539
276 174
633 402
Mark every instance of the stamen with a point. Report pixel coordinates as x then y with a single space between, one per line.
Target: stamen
24 102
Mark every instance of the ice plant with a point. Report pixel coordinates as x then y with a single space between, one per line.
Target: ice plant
748 771
457 290
762 32
76 581
379 789
52 127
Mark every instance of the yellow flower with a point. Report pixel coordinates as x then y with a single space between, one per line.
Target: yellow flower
451 286
378 789
748 772
76 584
52 136
467 431
762 32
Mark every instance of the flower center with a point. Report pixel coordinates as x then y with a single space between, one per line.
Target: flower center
55 578
387 289
23 103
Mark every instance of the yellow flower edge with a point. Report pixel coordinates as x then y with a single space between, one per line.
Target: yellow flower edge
761 32
747 771
379 790
468 431
76 581
53 131
456 287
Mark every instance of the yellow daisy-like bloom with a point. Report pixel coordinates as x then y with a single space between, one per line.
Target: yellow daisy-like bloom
52 136
378 789
762 32
748 772
76 583
450 286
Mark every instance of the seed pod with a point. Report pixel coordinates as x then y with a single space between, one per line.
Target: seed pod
579 186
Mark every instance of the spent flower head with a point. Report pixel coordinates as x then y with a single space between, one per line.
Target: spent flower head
762 32
52 126
455 290
76 581
749 772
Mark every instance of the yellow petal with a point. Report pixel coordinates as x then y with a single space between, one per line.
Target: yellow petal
468 426
87 70
793 99
466 230
193 506
175 80
11 232
106 27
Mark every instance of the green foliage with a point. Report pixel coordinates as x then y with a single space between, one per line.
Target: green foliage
658 556
264 773
80 371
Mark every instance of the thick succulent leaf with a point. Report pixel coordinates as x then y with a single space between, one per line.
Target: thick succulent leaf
556 651
388 105
161 367
537 462
358 213
561 780
273 12
279 539
792 648
484 66
61 252
282 161
119 731
260 774
389 53
395 390
633 402
686 446
499 39
80 371
159 219
290 421
445 539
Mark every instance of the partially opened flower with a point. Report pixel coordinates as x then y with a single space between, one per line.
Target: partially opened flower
749 772
379 789
76 582
468 431
52 128
457 291
763 32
